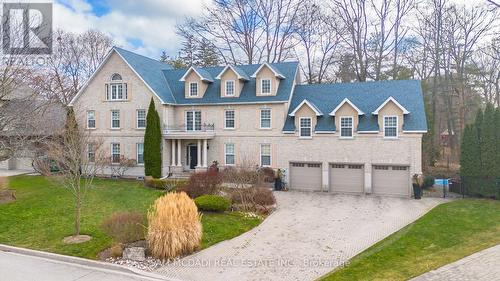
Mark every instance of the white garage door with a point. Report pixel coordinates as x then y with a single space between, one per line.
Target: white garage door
305 176
391 180
347 178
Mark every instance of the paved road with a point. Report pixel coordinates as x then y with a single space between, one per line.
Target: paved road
481 266
18 267
306 237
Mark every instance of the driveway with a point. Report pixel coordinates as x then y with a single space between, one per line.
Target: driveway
8 173
309 235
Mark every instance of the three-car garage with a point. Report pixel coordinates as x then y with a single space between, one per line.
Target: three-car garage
386 180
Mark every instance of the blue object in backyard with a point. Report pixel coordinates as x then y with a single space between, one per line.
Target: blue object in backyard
441 182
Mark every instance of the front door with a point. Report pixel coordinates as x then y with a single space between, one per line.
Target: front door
192 156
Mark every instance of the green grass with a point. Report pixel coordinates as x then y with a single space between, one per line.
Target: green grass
43 215
447 233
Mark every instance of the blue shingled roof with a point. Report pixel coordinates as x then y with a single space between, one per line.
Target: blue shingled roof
241 73
367 96
247 95
205 75
150 71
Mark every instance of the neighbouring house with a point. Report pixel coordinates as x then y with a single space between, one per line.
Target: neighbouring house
346 137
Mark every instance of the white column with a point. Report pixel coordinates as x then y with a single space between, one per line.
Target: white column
198 156
172 163
179 153
205 153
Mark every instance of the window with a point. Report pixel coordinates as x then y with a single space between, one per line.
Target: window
305 127
193 89
265 118
116 77
390 126
115 119
115 153
229 153
116 91
140 153
193 120
265 86
346 127
141 119
265 155
91 119
230 88
91 152
229 119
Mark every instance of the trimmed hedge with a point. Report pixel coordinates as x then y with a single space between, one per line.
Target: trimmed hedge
163 184
212 203
428 181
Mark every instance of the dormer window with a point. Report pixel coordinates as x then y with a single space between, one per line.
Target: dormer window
390 126
266 86
193 89
116 90
346 127
229 88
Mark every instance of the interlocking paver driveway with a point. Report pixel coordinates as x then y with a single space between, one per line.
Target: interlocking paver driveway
307 236
481 266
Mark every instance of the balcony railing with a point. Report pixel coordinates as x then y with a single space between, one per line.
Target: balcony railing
189 129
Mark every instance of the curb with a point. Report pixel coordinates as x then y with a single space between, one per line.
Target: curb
84 262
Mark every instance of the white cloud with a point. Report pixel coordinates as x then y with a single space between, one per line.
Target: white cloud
151 22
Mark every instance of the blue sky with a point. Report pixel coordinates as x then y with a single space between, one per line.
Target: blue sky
144 26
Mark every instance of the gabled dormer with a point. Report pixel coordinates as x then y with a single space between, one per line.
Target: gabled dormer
196 81
232 79
305 118
391 117
346 116
267 80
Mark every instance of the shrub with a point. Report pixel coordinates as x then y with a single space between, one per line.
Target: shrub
163 184
253 199
428 181
267 174
174 226
202 183
212 203
124 227
116 251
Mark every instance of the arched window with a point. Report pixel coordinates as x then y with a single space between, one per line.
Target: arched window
116 77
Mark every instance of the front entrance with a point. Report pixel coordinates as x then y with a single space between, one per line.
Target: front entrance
192 157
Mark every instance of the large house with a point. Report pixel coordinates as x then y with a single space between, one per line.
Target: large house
345 137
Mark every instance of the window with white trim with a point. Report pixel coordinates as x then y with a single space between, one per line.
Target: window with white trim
193 120
265 86
115 119
91 152
115 153
265 154
229 158
193 89
141 118
390 126
140 153
91 119
265 118
305 129
229 88
229 119
116 91
346 127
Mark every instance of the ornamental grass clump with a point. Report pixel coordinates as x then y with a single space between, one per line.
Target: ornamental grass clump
174 226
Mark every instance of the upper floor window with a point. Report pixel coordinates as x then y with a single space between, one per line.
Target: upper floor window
116 90
346 127
229 154
193 120
140 153
91 119
229 119
305 127
230 88
265 118
115 153
193 89
265 86
115 119
390 126
116 77
265 155
141 119
91 152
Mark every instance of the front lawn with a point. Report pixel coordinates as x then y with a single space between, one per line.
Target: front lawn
447 233
42 215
